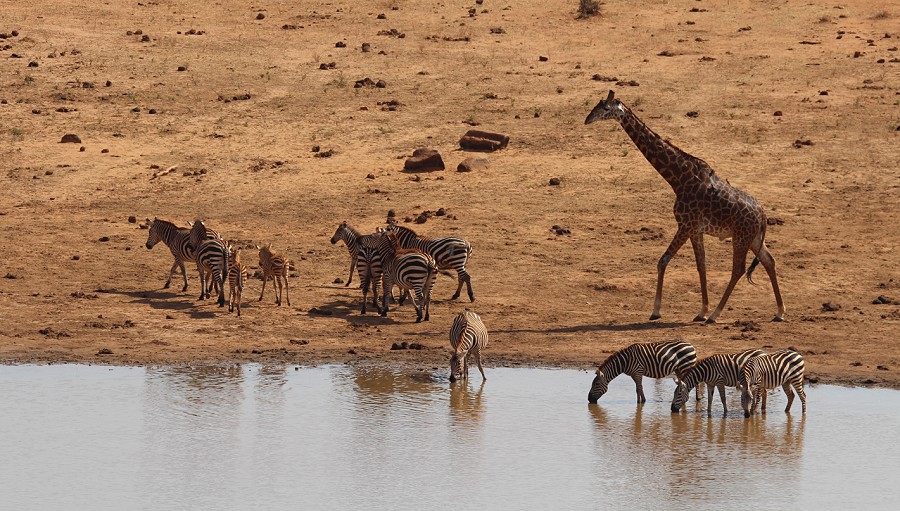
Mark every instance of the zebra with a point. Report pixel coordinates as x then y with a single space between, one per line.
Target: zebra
411 270
212 258
276 267
784 368
717 371
238 273
370 274
449 252
177 239
650 359
354 241
468 336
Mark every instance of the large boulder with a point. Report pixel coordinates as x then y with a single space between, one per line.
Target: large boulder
477 140
470 164
424 160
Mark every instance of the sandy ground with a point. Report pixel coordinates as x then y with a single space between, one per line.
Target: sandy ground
81 287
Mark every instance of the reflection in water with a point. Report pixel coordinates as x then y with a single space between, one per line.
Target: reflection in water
262 437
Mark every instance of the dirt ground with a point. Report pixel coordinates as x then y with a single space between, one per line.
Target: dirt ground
231 94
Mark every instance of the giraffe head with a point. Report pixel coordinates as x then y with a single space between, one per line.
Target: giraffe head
609 108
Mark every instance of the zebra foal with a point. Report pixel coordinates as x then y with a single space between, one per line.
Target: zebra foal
716 371
783 368
650 359
238 273
276 267
468 336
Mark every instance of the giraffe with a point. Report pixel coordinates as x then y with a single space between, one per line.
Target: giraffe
704 204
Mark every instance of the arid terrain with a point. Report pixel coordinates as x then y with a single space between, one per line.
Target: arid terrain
191 110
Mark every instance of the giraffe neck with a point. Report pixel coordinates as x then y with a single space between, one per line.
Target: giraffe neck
667 159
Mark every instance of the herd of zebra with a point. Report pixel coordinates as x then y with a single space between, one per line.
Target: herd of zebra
752 371
396 255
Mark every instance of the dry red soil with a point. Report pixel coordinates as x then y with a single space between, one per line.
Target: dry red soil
236 103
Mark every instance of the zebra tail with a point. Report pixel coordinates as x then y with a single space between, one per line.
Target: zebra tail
750 270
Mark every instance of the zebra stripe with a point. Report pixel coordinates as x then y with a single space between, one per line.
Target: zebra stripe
212 258
717 371
783 368
238 273
651 359
177 239
468 336
370 274
276 267
449 252
410 270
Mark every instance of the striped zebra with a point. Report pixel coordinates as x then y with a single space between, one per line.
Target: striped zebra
716 371
409 269
276 267
354 241
783 368
238 273
212 258
370 274
650 359
177 239
468 336
450 252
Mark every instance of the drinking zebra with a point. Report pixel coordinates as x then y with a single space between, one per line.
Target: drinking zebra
238 273
717 371
450 252
783 368
650 359
409 269
354 241
212 258
468 336
177 239
276 267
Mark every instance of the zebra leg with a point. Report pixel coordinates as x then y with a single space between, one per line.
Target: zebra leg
265 279
469 287
220 278
459 285
722 397
202 283
419 303
353 260
387 285
171 272
698 391
276 283
480 367
364 285
639 387
798 385
287 289
183 274
790 396
709 400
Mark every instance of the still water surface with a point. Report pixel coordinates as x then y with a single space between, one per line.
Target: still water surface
338 437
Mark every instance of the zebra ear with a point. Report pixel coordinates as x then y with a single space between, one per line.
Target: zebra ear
258 247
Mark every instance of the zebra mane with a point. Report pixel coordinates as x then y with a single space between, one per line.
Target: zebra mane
167 223
610 359
407 229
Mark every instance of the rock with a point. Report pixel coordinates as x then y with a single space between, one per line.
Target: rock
351 351
424 160
471 164
554 181
132 219
104 151
543 58
145 39
365 82
182 68
70 138
338 281
882 368
380 84
774 220
260 16
778 113
105 351
830 307
477 140
800 143
11 276
103 239
855 364
370 176
366 47
693 114
883 300
76 258
151 111
340 44
301 342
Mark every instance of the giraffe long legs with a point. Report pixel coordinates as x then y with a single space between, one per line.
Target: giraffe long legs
700 258
768 263
739 261
680 237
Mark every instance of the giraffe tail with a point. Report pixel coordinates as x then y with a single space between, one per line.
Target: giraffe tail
750 270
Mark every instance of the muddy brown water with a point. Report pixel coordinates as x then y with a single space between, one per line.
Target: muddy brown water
342 437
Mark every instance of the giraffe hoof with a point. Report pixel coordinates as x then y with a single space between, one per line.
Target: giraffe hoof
777 319
655 316
699 317
710 321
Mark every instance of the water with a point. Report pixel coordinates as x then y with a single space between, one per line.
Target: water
268 437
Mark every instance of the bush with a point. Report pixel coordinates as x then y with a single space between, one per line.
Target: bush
588 8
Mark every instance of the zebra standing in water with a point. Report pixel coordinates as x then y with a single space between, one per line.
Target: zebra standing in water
448 251
177 239
238 273
212 258
717 371
354 241
783 368
468 336
411 270
276 267
650 359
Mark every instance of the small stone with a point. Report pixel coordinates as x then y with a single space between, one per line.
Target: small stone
81 149
338 281
104 239
554 181
693 114
105 351
472 164
340 44
10 276
370 176
132 219
70 138
76 258
151 111
543 58
182 68
882 368
830 307
778 113
32 64
104 151
315 148
145 39
366 47
108 83
381 16
260 16
380 84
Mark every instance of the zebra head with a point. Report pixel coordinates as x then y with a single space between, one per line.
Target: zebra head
339 233
748 380
154 236
198 232
598 387
457 367
680 397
